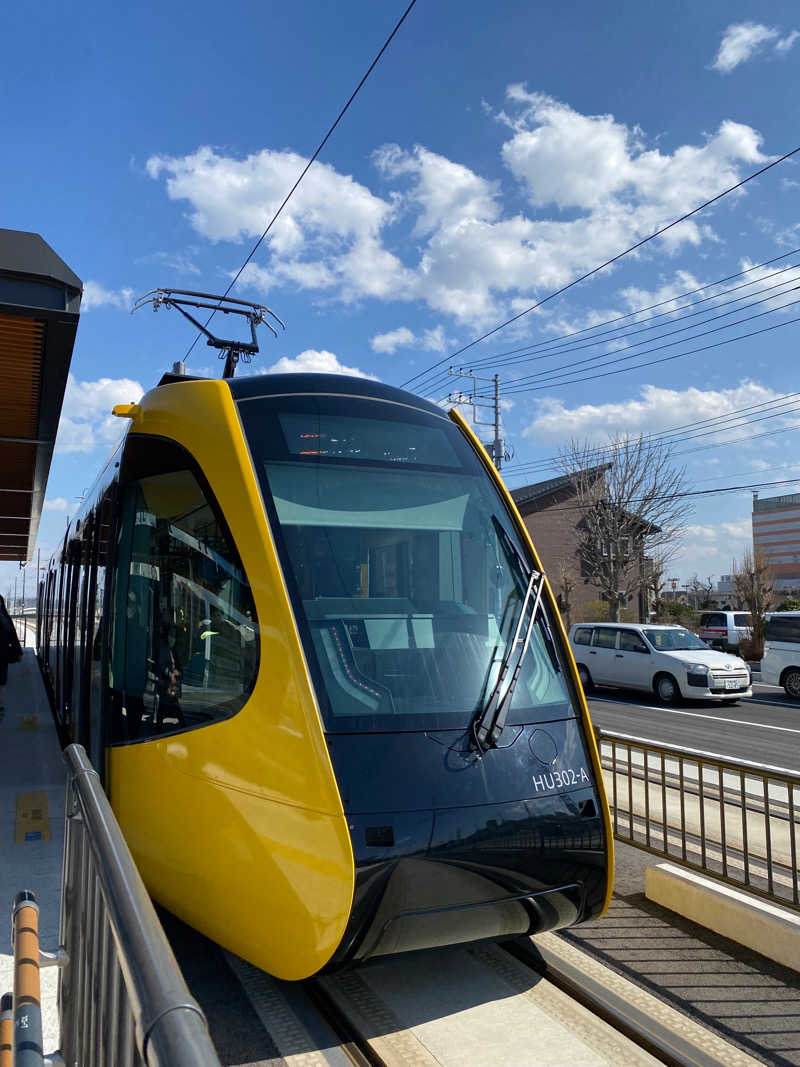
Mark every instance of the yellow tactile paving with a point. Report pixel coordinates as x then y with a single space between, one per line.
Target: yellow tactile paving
32 821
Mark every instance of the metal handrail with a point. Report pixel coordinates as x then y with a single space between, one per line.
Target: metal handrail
121 985
733 819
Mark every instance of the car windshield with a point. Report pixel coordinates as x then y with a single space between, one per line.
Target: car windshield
405 570
673 640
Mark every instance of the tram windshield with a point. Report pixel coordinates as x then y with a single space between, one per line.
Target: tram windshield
405 570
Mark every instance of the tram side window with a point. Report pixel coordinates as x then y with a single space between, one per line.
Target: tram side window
184 643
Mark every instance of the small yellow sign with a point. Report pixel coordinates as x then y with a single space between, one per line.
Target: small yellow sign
28 722
32 821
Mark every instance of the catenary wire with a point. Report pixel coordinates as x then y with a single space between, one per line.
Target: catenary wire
608 262
305 170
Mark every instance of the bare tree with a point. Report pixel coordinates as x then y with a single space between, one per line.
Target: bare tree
701 590
632 505
656 582
566 586
754 586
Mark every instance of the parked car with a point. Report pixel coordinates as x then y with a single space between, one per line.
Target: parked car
780 664
725 629
667 660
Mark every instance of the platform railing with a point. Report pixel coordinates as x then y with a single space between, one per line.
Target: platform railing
733 819
122 998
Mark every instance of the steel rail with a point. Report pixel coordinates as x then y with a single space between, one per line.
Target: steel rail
669 1045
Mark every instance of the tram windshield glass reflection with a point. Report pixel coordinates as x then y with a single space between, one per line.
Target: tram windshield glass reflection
392 534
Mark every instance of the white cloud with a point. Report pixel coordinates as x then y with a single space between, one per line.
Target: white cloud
599 165
446 192
313 361
710 548
653 411
389 342
178 262
56 503
86 419
95 295
786 43
593 184
328 234
742 40
432 340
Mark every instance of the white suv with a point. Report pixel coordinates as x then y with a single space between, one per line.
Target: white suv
725 629
668 660
780 664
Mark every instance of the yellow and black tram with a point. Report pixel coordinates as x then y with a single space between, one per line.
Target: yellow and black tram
301 630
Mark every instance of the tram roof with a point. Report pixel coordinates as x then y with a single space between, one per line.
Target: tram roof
39 309
324 384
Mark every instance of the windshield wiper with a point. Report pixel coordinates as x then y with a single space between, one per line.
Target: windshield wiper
488 724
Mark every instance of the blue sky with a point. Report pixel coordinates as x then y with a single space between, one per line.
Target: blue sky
497 152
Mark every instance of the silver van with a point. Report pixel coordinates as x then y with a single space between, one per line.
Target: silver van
780 664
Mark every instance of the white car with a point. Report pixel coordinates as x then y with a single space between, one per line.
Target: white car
667 660
780 664
725 629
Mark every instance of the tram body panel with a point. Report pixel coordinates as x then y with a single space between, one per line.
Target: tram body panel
588 728
337 808
204 809
267 880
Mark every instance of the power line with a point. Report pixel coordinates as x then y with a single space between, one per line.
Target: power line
556 374
788 404
305 170
718 444
525 471
501 358
681 496
613 335
523 387
608 262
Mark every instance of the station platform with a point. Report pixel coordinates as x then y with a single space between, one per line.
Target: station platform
473 1005
32 785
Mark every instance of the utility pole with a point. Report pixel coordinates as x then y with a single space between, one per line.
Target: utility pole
478 400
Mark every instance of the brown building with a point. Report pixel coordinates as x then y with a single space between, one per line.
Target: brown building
554 521
776 535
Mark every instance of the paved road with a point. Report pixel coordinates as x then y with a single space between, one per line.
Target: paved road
764 728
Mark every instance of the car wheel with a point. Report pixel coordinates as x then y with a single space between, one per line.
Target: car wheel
666 689
585 677
791 683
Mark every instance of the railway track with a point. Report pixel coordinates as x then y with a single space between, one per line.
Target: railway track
544 1002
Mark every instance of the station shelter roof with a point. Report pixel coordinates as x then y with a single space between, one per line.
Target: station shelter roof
39 309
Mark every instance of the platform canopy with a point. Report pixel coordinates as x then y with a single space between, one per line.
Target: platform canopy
39 309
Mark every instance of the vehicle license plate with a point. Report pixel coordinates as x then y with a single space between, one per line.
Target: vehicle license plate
732 683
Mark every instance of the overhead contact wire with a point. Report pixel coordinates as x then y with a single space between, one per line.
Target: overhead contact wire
305 170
